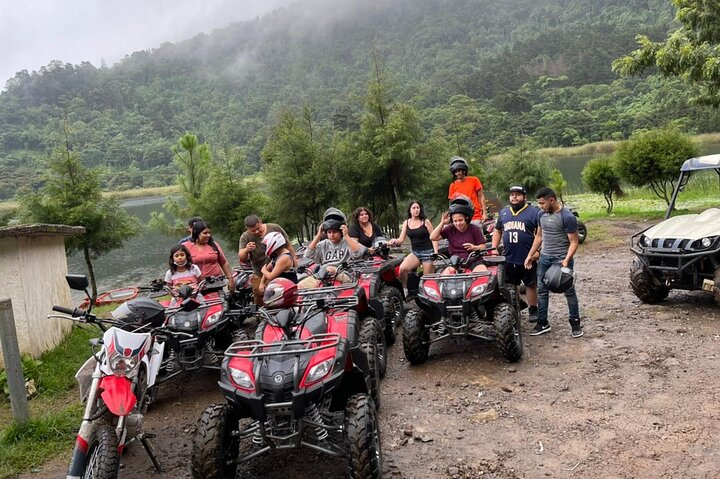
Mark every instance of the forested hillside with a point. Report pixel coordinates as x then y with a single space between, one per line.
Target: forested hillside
482 74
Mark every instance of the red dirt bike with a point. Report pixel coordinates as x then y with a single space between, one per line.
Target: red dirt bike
464 304
307 380
115 383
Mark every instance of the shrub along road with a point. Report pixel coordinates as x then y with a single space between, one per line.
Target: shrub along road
634 397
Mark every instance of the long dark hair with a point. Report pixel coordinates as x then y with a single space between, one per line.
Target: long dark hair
422 209
198 228
188 257
360 209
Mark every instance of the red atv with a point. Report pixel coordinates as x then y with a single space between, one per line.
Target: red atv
464 304
308 379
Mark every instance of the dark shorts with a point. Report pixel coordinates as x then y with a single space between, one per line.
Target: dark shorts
425 256
516 273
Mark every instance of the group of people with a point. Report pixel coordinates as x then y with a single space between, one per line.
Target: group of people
533 240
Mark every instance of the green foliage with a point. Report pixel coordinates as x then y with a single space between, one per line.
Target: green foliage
23 446
558 183
519 166
30 371
654 158
691 51
193 160
301 171
600 176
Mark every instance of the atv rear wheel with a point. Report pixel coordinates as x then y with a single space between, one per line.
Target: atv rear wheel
214 443
507 332
362 438
392 302
581 231
371 330
645 287
415 336
102 460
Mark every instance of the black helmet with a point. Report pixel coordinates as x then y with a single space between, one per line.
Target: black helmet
458 163
462 204
140 311
333 219
559 279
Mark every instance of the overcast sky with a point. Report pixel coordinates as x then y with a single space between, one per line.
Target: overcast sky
34 32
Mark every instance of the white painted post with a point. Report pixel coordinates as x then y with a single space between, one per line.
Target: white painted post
13 363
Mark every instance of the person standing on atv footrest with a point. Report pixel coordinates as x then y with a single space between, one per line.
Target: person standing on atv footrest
516 226
463 237
557 232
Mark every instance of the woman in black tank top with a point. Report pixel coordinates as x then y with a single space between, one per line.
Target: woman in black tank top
282 262
417 227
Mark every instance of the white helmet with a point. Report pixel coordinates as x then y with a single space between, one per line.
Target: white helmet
273 241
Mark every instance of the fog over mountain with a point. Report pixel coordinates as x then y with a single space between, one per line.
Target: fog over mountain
32 34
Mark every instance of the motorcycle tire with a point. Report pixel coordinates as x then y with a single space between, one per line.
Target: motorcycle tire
102 461
392 302
362 438
371 331
507 332
214 443
415 337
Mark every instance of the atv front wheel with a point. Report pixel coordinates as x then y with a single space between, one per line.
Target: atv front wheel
214 443
103 461
507 332
362 438
369 348
371 330
392 302
415 337
645 287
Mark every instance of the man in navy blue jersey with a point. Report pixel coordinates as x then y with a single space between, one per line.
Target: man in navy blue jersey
516 225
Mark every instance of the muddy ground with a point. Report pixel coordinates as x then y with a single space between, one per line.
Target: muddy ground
636 396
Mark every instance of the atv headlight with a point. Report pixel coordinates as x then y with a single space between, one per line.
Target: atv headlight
644 241
214 318
242 379
121 366
706 242
477 290
431 292
319 371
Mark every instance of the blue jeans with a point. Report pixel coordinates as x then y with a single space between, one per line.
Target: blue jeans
543 293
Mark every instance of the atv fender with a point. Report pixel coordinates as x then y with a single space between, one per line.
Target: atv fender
377 308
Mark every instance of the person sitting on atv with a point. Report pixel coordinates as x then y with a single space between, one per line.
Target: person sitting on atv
332 246
282 261
463 237
363 229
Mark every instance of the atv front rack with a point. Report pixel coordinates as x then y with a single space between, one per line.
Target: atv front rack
447 277
253 348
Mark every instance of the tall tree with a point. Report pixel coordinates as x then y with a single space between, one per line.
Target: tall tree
691 52
193 159
71 195
300 170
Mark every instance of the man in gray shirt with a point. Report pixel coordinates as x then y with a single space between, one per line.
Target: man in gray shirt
557 233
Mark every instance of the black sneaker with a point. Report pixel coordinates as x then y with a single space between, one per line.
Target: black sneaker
540 329
576 328
532 317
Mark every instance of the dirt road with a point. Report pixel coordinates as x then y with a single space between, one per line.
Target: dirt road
637 396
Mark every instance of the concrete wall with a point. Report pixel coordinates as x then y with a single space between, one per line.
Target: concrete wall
33 266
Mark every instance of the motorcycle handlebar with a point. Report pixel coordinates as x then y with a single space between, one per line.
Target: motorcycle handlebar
74 312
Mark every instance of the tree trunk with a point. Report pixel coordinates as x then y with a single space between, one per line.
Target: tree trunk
91 274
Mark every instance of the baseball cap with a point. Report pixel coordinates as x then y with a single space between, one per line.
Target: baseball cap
518 189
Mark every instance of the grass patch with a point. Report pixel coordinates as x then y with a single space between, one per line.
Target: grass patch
29 445
597 148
